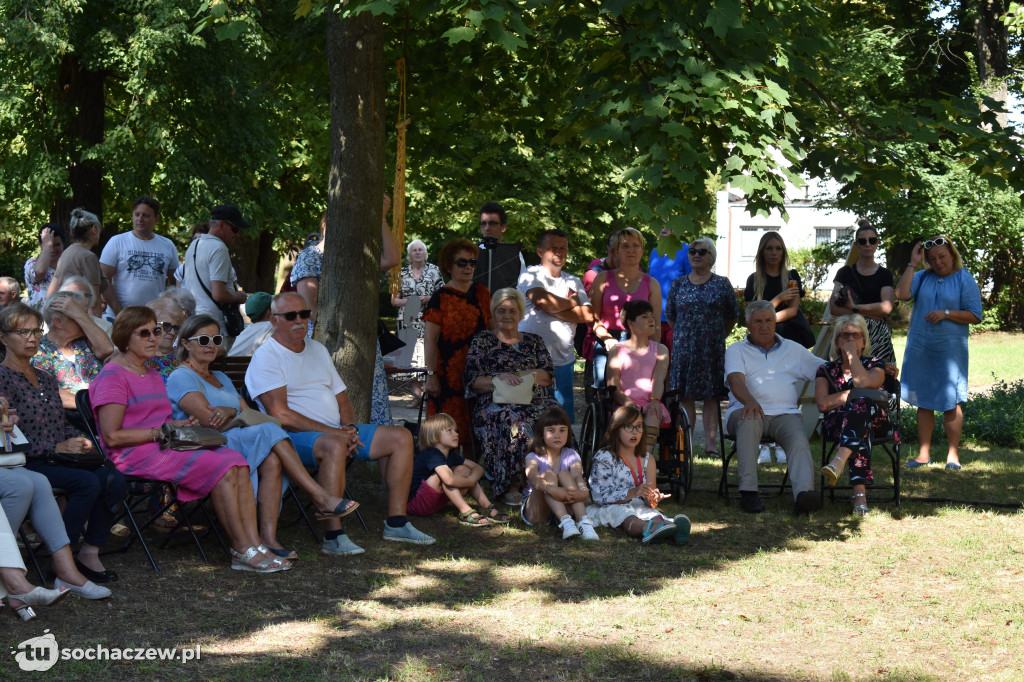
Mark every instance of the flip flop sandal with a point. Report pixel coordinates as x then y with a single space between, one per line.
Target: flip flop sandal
344 508
494 515
473 518
660 534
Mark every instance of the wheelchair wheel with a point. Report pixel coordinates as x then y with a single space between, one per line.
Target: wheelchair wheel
684 448
590 433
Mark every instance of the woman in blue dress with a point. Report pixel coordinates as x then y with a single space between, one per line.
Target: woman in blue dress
211 398
702 309
946 300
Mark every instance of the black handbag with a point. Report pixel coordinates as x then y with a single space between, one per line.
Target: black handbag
190 437
81 460
234 323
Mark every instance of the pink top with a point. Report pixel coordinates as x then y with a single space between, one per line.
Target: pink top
615 298
636 375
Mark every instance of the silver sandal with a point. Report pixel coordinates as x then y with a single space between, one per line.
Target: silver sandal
860 509
244 561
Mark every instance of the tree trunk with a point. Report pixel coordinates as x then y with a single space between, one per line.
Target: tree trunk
255 262
992 52
347 318
80 98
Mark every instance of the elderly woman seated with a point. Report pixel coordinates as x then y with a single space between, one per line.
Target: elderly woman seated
211 399
507 355
93 496
74 347
131 406
83 286
850 422
28 493
169 317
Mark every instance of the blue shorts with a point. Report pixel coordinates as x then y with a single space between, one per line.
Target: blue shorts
563 390
304 440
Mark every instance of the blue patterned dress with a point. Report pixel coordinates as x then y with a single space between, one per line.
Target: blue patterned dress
700 312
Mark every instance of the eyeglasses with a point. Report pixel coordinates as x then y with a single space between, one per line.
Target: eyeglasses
938 241
463 262
27 334
864 241
489 223
170 327
290 316
204 340
851 336
634 428
234 228
146 333
698 252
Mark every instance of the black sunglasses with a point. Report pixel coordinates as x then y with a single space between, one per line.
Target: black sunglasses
489 223
169 327
463 262
146 333
290 316
938 241
864 241
234 228
204 340
699 252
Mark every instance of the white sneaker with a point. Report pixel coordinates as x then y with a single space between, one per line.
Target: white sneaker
764 455
780 454
587 529
569 529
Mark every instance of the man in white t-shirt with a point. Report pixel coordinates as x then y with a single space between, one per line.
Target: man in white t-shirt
294 379
140 263
257 309
206 269
764 372
555 303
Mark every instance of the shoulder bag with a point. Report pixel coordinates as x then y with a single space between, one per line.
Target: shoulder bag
234 323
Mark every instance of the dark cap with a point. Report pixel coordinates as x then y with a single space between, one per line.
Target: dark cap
57 230
229 213
257 304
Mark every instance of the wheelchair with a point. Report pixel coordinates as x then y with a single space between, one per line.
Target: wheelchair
673 449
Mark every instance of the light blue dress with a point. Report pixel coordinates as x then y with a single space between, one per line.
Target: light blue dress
254 442
934 372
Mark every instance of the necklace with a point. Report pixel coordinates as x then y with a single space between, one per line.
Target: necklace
208 375
125 362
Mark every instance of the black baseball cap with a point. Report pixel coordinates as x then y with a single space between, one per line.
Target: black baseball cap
229 213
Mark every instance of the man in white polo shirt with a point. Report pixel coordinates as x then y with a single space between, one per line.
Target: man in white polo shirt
555 302
764 372
293 378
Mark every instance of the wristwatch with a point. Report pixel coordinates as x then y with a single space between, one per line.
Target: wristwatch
947 313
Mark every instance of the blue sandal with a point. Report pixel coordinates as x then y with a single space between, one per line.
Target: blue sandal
663 532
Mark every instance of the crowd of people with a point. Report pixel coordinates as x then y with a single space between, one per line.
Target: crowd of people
139 331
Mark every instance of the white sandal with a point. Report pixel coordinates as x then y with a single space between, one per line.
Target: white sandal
244 561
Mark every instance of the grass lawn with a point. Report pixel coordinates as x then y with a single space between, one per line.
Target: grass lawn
993 356
919 592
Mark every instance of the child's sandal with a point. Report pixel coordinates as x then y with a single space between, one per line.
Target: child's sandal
472 518
494 515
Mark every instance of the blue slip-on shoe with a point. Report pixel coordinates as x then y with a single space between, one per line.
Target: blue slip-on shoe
341 546
953 466
913 464
407 533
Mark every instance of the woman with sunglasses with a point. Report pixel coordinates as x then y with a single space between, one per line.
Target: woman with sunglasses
453 316
865 288
93 496
169 317
850 423
212 400
946 300
131 405
702 310
624 488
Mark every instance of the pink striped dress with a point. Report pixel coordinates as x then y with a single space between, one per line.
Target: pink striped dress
636 375
195 472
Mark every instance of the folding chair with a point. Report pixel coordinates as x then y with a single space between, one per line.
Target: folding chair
729 454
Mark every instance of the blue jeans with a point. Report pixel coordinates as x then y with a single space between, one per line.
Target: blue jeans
563 390
601 359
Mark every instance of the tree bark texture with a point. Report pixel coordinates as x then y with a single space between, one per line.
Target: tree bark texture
80 98
992 51
347 317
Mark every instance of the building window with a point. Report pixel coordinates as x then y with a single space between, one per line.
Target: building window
750 237
822 235
825 235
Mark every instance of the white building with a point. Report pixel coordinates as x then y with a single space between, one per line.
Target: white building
808 225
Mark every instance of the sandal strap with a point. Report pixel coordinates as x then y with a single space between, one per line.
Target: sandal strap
249 555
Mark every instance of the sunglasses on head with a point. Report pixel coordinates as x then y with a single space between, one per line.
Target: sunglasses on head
204 340
463 262
864 241
938 241
146 333
290 316
169 327
698 252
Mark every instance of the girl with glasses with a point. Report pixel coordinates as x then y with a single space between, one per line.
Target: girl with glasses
946 300
623 485
865 288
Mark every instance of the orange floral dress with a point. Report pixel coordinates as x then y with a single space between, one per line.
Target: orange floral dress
460 316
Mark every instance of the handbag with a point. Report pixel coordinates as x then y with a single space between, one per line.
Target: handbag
77 460
190 437
234 323
507 394
9 460
388 340
249 417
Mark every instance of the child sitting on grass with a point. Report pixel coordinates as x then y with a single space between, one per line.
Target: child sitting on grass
554 475
441 475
